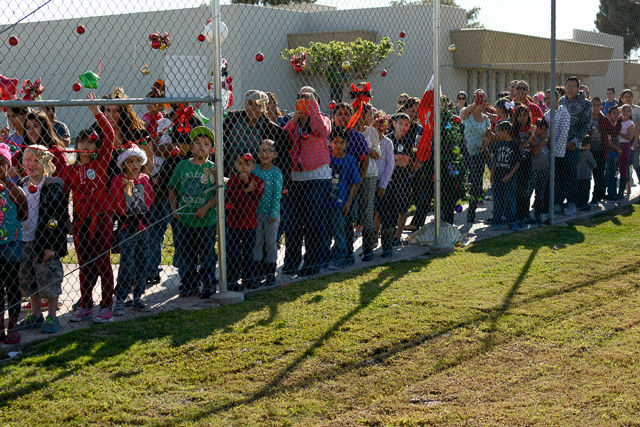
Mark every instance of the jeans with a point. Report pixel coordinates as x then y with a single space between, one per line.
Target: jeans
197 246
266 239
598 175
610 174
134 251
307 222
566 177
584 185
159 215
540 184
476 172
504 201
523 193
240 246
336 219
367 203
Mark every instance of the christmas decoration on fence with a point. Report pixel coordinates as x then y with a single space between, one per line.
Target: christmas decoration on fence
77 87
8 89
455 174
159 41
31 90
226 85
361 95
145 70
80 29
383 73
259 57
299 63
184 114
89 79
13 41
332 105
402 34
208 32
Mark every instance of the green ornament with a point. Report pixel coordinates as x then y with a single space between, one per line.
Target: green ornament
456 150
89 79
94 156
202 117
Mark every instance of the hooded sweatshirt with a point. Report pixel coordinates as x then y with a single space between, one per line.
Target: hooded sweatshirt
580 112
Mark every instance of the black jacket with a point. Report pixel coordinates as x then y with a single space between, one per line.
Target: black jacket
268 130
53 217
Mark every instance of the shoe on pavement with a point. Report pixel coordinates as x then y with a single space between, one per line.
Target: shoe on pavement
51 325
80 314
103 316
30 322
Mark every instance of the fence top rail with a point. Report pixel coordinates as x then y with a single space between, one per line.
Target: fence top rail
17 103
585 61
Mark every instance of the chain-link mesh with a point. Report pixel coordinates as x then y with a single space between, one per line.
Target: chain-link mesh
327 138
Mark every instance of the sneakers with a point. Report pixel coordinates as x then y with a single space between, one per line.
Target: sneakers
571 209
118 308
367 257
51 325
138 305
80 314
104 316
30 322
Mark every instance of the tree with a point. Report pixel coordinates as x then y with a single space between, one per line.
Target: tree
342 62
620 18
472 14
271 2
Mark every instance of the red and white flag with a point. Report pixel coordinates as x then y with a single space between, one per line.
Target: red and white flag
425 113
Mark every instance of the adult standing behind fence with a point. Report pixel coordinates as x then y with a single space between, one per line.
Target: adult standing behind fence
309 130
561 129
477 127
579 107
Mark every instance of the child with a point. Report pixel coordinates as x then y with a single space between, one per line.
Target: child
345 178
39 130
385 166
44 237
268 210
627 133
132 197
586 164
13 209
244 190
539 146
92 226
506 163
610 135
192 195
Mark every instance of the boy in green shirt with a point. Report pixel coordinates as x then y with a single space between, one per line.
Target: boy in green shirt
192 195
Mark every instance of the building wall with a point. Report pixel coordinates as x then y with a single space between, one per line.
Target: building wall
615 75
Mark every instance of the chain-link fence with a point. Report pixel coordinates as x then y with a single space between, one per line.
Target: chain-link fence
114 193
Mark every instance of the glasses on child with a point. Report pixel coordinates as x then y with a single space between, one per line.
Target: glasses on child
302 96
522 88
462 98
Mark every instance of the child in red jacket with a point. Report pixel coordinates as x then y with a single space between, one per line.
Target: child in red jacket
92 226
243 194
132 197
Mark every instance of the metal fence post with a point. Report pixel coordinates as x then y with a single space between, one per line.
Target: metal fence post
552 115
224 296
436 116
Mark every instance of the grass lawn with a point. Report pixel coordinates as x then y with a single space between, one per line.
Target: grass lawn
537 327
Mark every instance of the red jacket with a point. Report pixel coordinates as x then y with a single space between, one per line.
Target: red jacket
243 210
608 129
88 182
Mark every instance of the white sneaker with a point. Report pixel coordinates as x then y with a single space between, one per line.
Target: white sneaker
104 316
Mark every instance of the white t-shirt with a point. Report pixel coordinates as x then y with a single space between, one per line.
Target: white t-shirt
33 202
373 139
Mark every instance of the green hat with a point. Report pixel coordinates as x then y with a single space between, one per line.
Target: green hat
89 79
202 130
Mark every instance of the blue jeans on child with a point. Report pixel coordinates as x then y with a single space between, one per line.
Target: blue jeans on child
240 245
504 201
159 216
336 219
134 251
610 175
195 246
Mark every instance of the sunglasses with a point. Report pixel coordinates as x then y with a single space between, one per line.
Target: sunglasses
462 99
302 96
522 88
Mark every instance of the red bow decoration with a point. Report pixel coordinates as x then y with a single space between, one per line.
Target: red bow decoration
299 63
31 90
8 89
184 115
247 157
362 96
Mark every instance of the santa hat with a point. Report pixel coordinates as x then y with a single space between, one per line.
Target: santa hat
133 150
